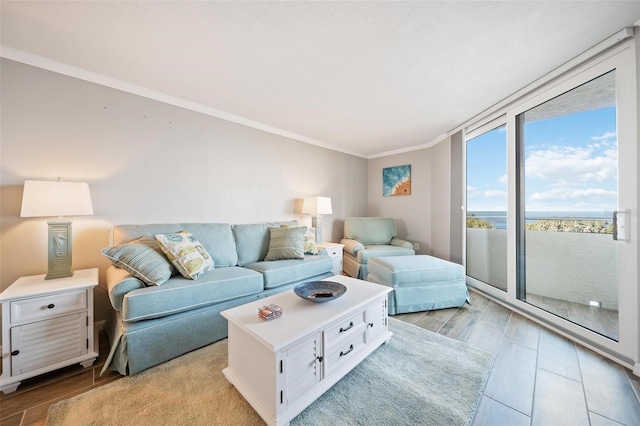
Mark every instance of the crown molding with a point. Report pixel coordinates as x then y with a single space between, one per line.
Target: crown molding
433 142
103 80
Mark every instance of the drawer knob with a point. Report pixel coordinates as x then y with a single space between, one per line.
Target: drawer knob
348 328
371 324
14 353
51 306
345 353
320 358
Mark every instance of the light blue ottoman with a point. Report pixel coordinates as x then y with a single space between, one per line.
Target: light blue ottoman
420 283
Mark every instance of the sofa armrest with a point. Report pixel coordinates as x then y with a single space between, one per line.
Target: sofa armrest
401 243
352 246
119 283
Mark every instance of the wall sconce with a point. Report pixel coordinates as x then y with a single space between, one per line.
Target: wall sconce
55 198
316 207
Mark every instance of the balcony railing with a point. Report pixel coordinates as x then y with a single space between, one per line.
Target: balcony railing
572 259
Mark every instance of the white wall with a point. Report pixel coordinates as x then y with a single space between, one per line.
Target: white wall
412 213
147 162
441 199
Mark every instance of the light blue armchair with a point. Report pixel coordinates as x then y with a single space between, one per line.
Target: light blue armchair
369 237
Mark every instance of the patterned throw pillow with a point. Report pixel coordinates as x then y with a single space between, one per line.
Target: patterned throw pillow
286 243
143 259
309 242
186 253
310 246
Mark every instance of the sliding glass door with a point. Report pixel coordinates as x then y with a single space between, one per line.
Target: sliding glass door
568 159
561 247
486 222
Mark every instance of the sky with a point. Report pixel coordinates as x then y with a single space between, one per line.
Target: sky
570 165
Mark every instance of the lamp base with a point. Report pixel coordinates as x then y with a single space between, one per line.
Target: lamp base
316 222
59 249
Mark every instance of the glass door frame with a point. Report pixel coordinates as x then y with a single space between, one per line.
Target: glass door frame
499 121
623 59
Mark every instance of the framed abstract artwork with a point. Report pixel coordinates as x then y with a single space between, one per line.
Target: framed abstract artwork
396 180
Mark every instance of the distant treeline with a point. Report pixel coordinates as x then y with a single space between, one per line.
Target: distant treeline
555 225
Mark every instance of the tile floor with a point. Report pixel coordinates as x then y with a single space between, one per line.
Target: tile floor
538 377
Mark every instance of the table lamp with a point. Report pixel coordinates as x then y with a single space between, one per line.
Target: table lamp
316 207
56 198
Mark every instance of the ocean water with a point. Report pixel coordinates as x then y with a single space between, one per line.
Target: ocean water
499 218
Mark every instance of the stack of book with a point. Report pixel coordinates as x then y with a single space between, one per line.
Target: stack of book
270 312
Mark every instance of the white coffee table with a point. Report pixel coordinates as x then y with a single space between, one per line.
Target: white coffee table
283 365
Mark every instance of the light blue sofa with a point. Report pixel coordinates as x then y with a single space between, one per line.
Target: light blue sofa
370 237
153 324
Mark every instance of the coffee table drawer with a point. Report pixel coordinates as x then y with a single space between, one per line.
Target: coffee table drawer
349 326
345 352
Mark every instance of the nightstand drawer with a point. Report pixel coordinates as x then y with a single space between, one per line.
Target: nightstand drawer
334 251
39 308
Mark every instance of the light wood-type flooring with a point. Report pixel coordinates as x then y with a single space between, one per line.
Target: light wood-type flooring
538 377
600 320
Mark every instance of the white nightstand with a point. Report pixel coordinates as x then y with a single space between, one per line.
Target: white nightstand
46 325
335 252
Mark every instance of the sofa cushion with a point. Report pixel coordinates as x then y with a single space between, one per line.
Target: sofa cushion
281 272
181 294
371 251
186 253
370 230
143 259
216 238
252 240
286 243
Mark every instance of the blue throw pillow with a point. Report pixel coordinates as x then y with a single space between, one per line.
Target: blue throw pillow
143 259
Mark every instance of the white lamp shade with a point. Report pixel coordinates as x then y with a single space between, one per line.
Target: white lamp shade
54 198
317 205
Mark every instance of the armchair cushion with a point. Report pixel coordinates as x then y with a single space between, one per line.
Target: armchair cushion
372 251
370 230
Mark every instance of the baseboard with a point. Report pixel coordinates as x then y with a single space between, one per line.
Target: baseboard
636 369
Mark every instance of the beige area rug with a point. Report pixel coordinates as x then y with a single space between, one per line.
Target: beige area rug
417 378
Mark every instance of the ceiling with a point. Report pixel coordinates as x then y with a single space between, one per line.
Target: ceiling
366 78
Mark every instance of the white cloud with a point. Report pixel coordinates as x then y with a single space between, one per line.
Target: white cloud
573 164
503 179
571 199
605 136
574 195
472 191
493 193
